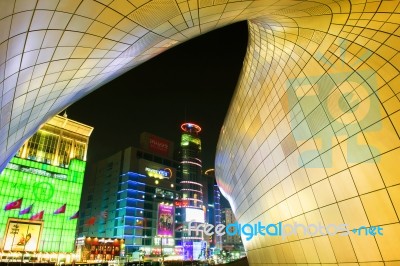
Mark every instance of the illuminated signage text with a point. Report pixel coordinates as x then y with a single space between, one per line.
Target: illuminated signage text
160 173
36 171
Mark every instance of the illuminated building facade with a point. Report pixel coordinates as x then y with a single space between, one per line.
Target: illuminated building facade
213 206
230 242
130 195
215 210
312 133
192 188
193 209
47 174
217 216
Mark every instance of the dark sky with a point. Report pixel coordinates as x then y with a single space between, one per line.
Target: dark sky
195 80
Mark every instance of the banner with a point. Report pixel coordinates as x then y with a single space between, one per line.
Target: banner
75 216
61 209
91 221
37 216
26 210
165 222
13 205
22 235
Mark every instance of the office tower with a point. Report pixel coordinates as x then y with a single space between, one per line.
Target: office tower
41 188
213 207
233 242
130 196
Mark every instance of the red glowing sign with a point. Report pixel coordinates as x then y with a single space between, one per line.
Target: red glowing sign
181 203
158 145
178 203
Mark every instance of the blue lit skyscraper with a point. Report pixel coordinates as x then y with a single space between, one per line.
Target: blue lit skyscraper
130 195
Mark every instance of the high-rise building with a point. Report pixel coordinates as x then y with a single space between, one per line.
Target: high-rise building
233 242
130 196
192 205
41 188
213 213
217 215
192 188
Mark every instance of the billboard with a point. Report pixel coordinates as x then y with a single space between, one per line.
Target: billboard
199 250
194 215
156 170
158 145
165 221
22 235
188 250
181 203
155 144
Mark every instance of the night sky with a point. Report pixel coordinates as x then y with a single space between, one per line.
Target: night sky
191 82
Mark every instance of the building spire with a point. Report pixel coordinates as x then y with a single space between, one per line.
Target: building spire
185 112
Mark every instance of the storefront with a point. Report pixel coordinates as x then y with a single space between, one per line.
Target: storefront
99 249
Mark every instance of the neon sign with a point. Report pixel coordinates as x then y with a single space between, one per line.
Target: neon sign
158 145
160 173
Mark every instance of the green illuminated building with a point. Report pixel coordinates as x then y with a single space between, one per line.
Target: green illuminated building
47 172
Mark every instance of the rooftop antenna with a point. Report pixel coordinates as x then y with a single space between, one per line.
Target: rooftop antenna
185 112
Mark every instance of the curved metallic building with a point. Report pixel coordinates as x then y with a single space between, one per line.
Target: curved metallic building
312 133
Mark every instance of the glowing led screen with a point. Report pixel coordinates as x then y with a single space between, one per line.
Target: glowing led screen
194 215
158 145
47 188
188 250
165 225
187 138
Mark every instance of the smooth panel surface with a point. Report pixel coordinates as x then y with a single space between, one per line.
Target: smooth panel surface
316 110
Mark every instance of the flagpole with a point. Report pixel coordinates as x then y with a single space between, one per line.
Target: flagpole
23 252
42 250
59 243
14 232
